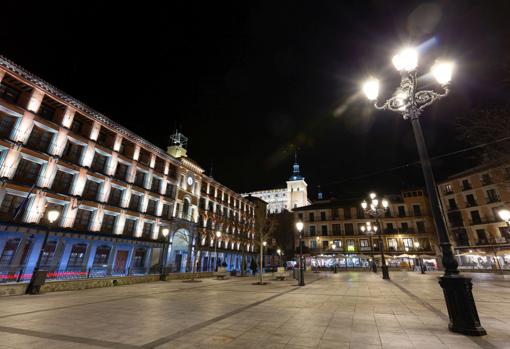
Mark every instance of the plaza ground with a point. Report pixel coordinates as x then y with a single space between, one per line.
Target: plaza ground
344 310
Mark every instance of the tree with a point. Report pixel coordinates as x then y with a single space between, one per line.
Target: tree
189 238
264 231
487 126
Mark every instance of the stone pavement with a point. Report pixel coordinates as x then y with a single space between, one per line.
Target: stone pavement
344 310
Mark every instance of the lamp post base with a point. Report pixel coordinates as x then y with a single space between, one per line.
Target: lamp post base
461 305
385 273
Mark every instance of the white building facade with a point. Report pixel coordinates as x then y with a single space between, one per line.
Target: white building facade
293 196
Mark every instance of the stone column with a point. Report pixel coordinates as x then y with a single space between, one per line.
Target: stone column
111 259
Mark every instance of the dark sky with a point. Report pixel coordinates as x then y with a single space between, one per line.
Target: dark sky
249 82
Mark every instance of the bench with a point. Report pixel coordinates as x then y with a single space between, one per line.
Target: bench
281 274
221 274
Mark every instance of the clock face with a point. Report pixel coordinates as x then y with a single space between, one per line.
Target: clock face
190 181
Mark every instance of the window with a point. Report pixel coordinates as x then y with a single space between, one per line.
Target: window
99 163
159 165
363 244
77 256
482 236
408 243
392 244
151 207
62 182
351 245
134 203
492 196
82 219
139 258
121 171
40 139
9 250
360 212
323 216
401 211
325 244
115 196
417 210
147 230
300 216
421 227
9 93
170 190
405 227
108 223
324 230
10 204
129 227
470 200
313 243
337 230
448 189
72 152
475 217
166 212
349 229
27 172
312 230
156 184
347 213
144 157
338 243
7 123
486 179
311 217
48 253
140 178
465 184
452 204
90 190
46 111
101 257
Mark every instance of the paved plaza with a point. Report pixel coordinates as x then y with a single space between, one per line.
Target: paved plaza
344 310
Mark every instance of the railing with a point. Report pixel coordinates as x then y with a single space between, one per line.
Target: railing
492 199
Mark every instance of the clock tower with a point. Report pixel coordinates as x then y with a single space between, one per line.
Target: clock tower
297 193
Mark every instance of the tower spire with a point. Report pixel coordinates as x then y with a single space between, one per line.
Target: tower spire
296 175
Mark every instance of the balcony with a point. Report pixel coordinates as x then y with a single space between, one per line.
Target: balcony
453 208
483 221
448 191
466 187
471 203
492 199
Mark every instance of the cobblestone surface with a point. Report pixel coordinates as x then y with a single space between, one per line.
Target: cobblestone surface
344 310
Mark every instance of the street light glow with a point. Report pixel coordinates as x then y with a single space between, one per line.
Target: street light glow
442 72
299 226
165 232
264 243
372 196
385 203
218 234
53 215
371 89
406 60
504 214
364 205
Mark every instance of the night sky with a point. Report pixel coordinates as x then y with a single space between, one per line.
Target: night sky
250 82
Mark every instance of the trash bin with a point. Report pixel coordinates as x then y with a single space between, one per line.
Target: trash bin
38 279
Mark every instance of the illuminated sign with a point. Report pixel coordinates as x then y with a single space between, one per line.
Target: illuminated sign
350 248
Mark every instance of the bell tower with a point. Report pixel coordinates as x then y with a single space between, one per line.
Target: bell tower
178 145
297 193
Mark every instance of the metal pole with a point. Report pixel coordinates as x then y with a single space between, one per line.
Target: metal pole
374 266
215 256
301 270
457 289
384 267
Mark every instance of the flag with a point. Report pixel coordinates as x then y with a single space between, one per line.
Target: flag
23 204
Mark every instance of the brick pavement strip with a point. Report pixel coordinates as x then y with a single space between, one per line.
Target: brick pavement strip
344 310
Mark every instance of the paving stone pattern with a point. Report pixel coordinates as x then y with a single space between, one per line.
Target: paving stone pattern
344 310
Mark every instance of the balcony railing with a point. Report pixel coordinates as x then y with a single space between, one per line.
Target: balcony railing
492 199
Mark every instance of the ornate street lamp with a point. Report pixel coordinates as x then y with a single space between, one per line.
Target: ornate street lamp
410 103
377 209
38 277
165 232
420 260
218 235
299 227
370 230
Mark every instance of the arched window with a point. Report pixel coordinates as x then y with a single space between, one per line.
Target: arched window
9 251
139 258
186 209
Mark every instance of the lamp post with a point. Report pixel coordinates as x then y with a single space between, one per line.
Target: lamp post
316 259
218 235
504 214
279 251
368 228
162 271
410 103
299 227
38 277
420 260
377 209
